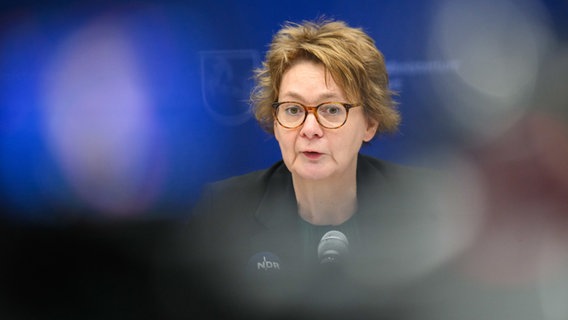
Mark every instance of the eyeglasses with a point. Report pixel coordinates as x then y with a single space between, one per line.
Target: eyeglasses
330 115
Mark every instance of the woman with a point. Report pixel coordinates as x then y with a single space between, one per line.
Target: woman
338 72
323 92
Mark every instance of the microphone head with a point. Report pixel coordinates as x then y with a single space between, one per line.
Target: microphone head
333 247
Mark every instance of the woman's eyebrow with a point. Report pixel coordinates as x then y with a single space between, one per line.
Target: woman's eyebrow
322 97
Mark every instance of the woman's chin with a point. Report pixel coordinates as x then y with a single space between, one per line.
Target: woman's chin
310 174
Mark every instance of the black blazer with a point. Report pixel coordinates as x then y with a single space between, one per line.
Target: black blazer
242 220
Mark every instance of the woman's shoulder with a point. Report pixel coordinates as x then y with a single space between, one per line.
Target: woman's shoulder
254 180
378 172
242 192
225 204
369 164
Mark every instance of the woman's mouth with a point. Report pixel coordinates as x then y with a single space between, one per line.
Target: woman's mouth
312 155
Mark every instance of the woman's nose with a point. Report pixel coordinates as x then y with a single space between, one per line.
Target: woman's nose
311 127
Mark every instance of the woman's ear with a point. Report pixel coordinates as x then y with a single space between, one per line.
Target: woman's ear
371 130
275 130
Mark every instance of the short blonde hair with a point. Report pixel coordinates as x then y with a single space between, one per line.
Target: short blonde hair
347 53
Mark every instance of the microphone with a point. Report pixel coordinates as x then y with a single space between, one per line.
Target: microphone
333 247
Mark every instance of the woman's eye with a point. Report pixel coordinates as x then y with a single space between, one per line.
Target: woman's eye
331 109
293 110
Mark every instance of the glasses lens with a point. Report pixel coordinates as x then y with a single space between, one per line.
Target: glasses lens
332 115
290 114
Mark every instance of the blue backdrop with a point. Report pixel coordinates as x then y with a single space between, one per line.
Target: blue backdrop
125 109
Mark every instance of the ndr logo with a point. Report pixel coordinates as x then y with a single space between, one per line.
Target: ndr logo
267 264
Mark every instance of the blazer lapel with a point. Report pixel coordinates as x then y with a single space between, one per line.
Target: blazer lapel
278 205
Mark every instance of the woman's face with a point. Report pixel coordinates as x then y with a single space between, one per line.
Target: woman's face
310 151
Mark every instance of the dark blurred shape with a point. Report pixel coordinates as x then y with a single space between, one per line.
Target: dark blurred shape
131 270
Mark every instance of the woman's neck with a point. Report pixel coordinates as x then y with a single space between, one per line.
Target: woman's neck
326 202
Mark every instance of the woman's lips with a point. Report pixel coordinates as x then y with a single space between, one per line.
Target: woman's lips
312 155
